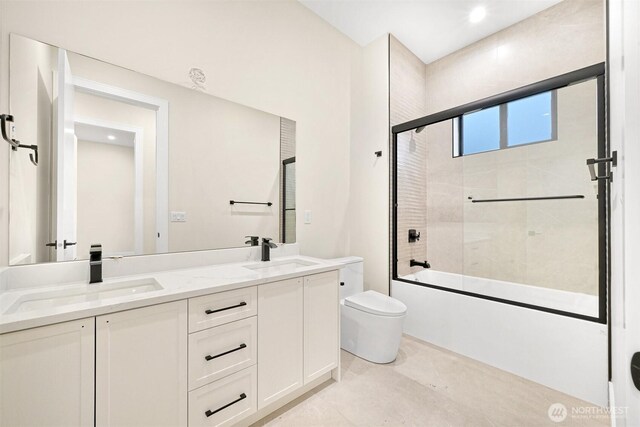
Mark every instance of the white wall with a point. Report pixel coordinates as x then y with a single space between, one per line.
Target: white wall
369 195
275 56
625 202
105 202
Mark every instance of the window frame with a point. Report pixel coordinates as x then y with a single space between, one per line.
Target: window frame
458 124
283 208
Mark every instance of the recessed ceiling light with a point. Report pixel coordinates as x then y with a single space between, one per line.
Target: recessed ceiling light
477 14
111 137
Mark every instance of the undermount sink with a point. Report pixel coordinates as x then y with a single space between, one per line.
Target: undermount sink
82 293
284 266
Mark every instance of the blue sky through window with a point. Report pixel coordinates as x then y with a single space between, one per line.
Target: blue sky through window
481 131
529 120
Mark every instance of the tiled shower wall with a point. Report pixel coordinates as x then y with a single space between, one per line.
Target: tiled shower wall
563 38
550 243
407 101
560 39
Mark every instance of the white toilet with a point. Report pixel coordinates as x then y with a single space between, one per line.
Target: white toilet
370 322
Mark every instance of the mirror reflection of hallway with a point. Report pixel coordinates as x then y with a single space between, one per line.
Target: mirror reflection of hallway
110 206
193 153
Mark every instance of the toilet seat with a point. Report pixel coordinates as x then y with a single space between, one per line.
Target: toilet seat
376 303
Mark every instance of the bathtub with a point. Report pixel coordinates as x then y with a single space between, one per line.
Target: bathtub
565 353
571 302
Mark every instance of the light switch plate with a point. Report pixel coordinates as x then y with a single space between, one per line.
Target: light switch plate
307 217
178 216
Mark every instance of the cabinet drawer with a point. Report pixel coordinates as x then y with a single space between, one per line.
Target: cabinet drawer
223 350
224 307
224 402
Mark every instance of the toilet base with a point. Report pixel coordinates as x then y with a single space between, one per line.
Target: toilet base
371 337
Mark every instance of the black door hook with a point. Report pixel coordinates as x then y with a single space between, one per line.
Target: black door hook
4 119
15 144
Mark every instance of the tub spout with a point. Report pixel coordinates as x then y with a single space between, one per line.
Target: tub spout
423 264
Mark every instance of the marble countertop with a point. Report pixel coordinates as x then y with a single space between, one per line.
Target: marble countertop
176 285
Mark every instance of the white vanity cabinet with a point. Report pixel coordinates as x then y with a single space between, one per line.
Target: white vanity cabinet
46 375
218 359
223 349
298 333
138 357
280 339
321 324
141 366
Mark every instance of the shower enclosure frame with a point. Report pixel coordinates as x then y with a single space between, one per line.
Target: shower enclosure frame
596 71
283 208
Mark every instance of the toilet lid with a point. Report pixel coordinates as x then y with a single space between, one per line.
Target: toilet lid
376 303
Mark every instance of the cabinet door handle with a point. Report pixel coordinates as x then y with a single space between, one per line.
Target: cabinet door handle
240 347
208 413
242 304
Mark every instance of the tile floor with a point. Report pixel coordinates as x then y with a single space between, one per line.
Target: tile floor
428 386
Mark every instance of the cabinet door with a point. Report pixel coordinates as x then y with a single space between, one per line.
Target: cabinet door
321 315
141 367
46 375
280 340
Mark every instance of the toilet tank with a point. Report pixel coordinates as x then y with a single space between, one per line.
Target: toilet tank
351 275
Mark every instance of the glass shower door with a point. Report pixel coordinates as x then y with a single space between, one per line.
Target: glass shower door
505 203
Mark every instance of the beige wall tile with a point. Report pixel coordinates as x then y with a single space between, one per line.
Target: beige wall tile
545 243
407 90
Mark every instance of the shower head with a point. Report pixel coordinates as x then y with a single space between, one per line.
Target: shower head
420 129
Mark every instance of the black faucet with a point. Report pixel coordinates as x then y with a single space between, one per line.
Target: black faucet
266 248
253 240
95 263
414 263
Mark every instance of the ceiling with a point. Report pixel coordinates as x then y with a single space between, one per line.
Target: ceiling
429 28
95 133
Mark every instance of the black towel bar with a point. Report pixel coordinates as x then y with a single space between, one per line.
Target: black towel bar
524 199
235 202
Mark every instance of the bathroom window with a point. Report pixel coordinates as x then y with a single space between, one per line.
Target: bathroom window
524 121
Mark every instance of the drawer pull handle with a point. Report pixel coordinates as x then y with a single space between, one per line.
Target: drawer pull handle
242 304
209 412
240 347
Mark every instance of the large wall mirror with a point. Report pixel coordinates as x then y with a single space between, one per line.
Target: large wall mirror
139 165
